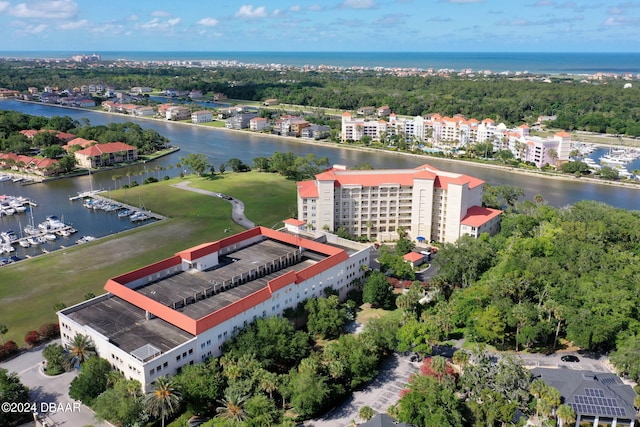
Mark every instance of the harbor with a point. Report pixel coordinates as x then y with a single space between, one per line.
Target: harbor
29 226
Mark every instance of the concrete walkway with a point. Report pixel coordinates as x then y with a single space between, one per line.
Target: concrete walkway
237 207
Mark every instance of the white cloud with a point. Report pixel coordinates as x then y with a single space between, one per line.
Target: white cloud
158 25
248 11
55 9
160 13
74 25
173 22
621 21
464 1
208 22
33 29
133 18
358 4
295 8
4 5
315 8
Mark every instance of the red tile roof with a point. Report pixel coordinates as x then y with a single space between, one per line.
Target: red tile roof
413 257
294 222
307 189
376 178
477 216
563 134
109 147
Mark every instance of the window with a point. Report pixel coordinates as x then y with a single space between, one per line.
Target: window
165 364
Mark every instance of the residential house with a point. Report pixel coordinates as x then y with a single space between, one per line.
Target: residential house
108 154
139 90
144 111
201 116
35 165
219 96
316 132
195 94
177 112
175 92
384 111
270 102
239 121
413 258
78 144
258 124
296 126
366 111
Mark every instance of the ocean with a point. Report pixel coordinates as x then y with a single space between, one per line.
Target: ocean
534 62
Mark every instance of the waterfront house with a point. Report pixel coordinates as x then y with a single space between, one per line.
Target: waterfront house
239 121
78 143
62 136
195 94
139 90
201 116
270 102
144 111
35 165
177 112
366 111
315 132
100 155
219 96
384 111
258 124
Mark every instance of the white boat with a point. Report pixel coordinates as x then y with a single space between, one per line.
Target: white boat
7 248
63 233
24 243
30 229
125 213
4 178
50 237
9 236
33 241
138 216
16 179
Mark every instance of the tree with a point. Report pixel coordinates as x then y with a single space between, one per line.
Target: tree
14 392
429 403
610 173
307 388
164 400
237 165
366 413
201 384
55 357
232 408
67 163
326 316
79 350
222 168
566 415
196 162
53 151
122 404
91 381
377 291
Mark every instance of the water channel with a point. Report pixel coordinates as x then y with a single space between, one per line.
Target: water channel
220 145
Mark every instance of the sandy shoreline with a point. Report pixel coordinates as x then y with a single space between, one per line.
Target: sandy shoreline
536 173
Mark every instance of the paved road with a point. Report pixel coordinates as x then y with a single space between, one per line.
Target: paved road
50 393
381 393
237 207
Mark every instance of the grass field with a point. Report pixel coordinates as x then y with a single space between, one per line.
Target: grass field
30 289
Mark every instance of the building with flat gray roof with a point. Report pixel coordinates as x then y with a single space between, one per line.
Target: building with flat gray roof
181 310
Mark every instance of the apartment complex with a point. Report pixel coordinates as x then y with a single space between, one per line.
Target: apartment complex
457 132
429 204
180 310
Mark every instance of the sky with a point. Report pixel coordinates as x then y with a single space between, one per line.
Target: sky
89 26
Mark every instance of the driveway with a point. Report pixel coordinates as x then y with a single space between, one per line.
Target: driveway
237 207
379 394
50 394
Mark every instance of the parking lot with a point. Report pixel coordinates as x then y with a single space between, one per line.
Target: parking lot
381 393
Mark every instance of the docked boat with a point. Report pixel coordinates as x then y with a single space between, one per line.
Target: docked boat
9 236
24 243
138 216
33 241
4 178
50 237
31 230
85 239
7 248
125 213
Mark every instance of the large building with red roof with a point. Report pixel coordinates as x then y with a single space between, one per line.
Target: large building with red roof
429 204
180 310
100 155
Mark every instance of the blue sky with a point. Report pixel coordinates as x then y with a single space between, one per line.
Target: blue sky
328 25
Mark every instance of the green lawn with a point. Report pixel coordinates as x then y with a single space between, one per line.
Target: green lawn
30 289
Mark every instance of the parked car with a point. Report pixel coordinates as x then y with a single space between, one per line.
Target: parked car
570 358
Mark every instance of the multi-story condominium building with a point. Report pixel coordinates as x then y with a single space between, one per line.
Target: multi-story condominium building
258 124
178 113
427 203
180 310
457 132
100 155
239 120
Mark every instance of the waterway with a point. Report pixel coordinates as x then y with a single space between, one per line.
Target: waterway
220 146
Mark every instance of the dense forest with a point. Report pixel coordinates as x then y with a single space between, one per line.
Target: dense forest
598 107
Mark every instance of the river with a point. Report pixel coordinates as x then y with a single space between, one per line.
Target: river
221 145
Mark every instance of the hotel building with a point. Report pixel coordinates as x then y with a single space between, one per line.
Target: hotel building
429 204
179 311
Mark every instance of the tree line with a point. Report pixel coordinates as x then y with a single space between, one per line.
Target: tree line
578 105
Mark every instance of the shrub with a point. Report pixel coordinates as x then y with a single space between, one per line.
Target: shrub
49 331
32 338
8 349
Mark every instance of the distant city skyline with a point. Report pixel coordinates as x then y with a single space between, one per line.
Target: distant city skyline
339 25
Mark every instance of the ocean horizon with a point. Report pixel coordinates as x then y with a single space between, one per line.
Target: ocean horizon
574 63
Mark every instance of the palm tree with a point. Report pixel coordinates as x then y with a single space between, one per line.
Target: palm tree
439 366
268 382
232 408
3 330
461 358
79 350
566 415
164 400
366 413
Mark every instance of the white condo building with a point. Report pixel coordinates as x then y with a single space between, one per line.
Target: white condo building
452 133
179 311
429 204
